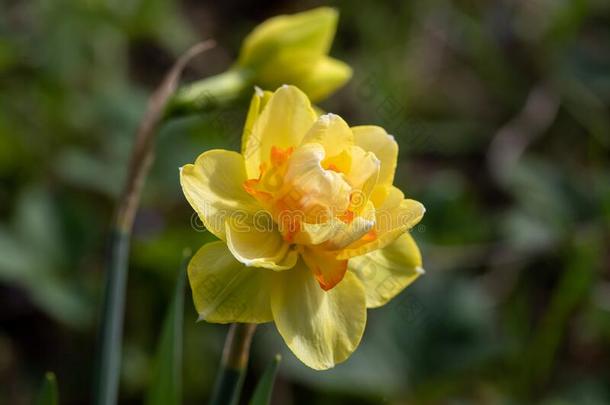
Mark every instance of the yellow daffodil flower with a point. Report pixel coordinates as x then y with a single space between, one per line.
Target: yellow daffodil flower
312 230
294 49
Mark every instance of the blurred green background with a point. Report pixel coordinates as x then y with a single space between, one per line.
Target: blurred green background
501 110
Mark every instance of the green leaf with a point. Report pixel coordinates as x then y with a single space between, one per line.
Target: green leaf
165 386
264 389
33 256
48 394
583 261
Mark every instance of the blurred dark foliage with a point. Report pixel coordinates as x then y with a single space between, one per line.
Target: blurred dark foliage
501 110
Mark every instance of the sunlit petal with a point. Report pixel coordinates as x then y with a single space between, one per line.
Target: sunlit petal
322 328
386 272
224 290
213 185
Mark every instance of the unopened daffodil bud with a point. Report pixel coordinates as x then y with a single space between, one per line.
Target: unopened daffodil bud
293 49
287 49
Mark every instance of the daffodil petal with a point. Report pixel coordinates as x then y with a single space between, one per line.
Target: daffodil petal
335 233
256 242
364 170
332 133
312 190
390 199
353 231
322 328
376 140
282 124
381 192
325 267
362 176
224 290
391 222
405 216
257 103
213 185
386 272
315 234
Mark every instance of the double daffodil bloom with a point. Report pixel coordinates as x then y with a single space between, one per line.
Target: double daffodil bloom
312 231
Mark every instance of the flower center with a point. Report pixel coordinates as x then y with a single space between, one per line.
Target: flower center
300 186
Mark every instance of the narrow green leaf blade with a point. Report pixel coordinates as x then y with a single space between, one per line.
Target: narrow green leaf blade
48 394
165 386
264 389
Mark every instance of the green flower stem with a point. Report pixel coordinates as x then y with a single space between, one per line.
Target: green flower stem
108 355
233 365
210 93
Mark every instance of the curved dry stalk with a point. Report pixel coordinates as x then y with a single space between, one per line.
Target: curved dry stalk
110 335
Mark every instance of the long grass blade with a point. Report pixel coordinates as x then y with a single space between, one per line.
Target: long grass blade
166 385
